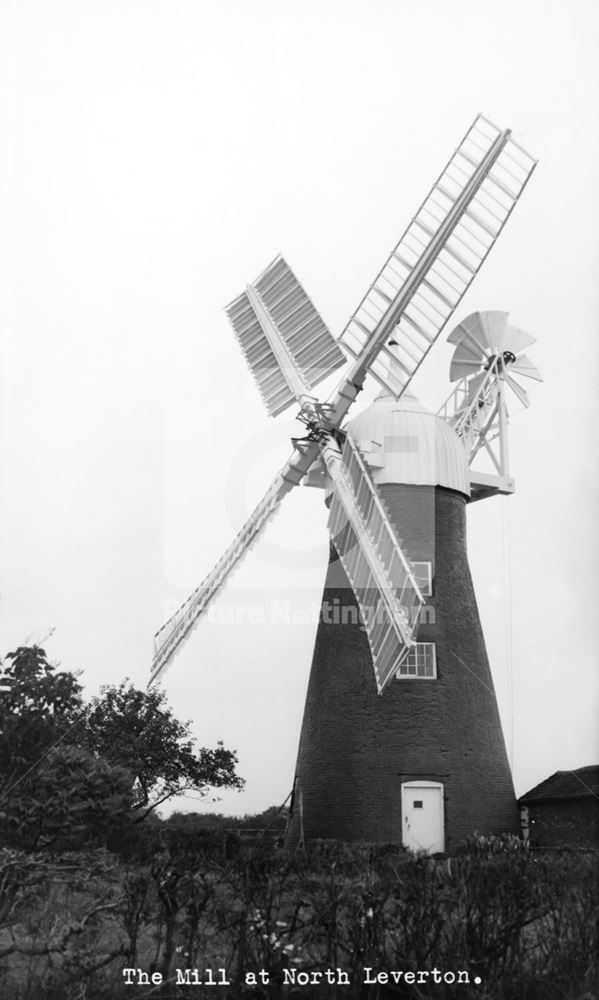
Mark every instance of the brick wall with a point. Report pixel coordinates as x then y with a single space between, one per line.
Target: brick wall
356 747
570 823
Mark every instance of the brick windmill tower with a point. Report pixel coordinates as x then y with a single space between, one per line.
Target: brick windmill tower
426 762
401 739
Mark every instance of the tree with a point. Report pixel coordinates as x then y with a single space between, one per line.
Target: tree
136 728
53 792
271 820
38 706
73 774
70 800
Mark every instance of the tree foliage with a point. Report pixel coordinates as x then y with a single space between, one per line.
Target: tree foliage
38 705
126 724
72 798
272 820
73 772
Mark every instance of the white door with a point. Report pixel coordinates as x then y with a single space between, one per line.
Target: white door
422 813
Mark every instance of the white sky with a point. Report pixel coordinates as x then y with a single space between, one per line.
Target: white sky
156 156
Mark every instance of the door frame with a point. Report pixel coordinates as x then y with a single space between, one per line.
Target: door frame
405 785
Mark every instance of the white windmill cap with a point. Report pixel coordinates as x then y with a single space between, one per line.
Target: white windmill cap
404 442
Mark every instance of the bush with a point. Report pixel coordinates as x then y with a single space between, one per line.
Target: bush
525 926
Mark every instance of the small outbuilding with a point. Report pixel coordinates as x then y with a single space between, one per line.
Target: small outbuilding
563 811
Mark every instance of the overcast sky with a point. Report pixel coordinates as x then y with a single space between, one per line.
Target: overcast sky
156 156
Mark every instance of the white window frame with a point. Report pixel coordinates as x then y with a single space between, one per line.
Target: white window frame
417 657
427 589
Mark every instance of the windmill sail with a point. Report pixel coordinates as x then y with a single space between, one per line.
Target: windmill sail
441 251
171 635
289 350
286 343
380 575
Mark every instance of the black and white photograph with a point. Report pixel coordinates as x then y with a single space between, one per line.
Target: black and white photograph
299 313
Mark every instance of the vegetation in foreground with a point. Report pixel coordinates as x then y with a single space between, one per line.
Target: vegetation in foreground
71 923
93 882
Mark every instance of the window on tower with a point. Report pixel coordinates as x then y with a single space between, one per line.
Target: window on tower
419 664
423 571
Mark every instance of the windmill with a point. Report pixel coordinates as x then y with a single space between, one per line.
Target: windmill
373 767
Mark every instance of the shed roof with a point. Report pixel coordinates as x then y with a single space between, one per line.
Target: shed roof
580 784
